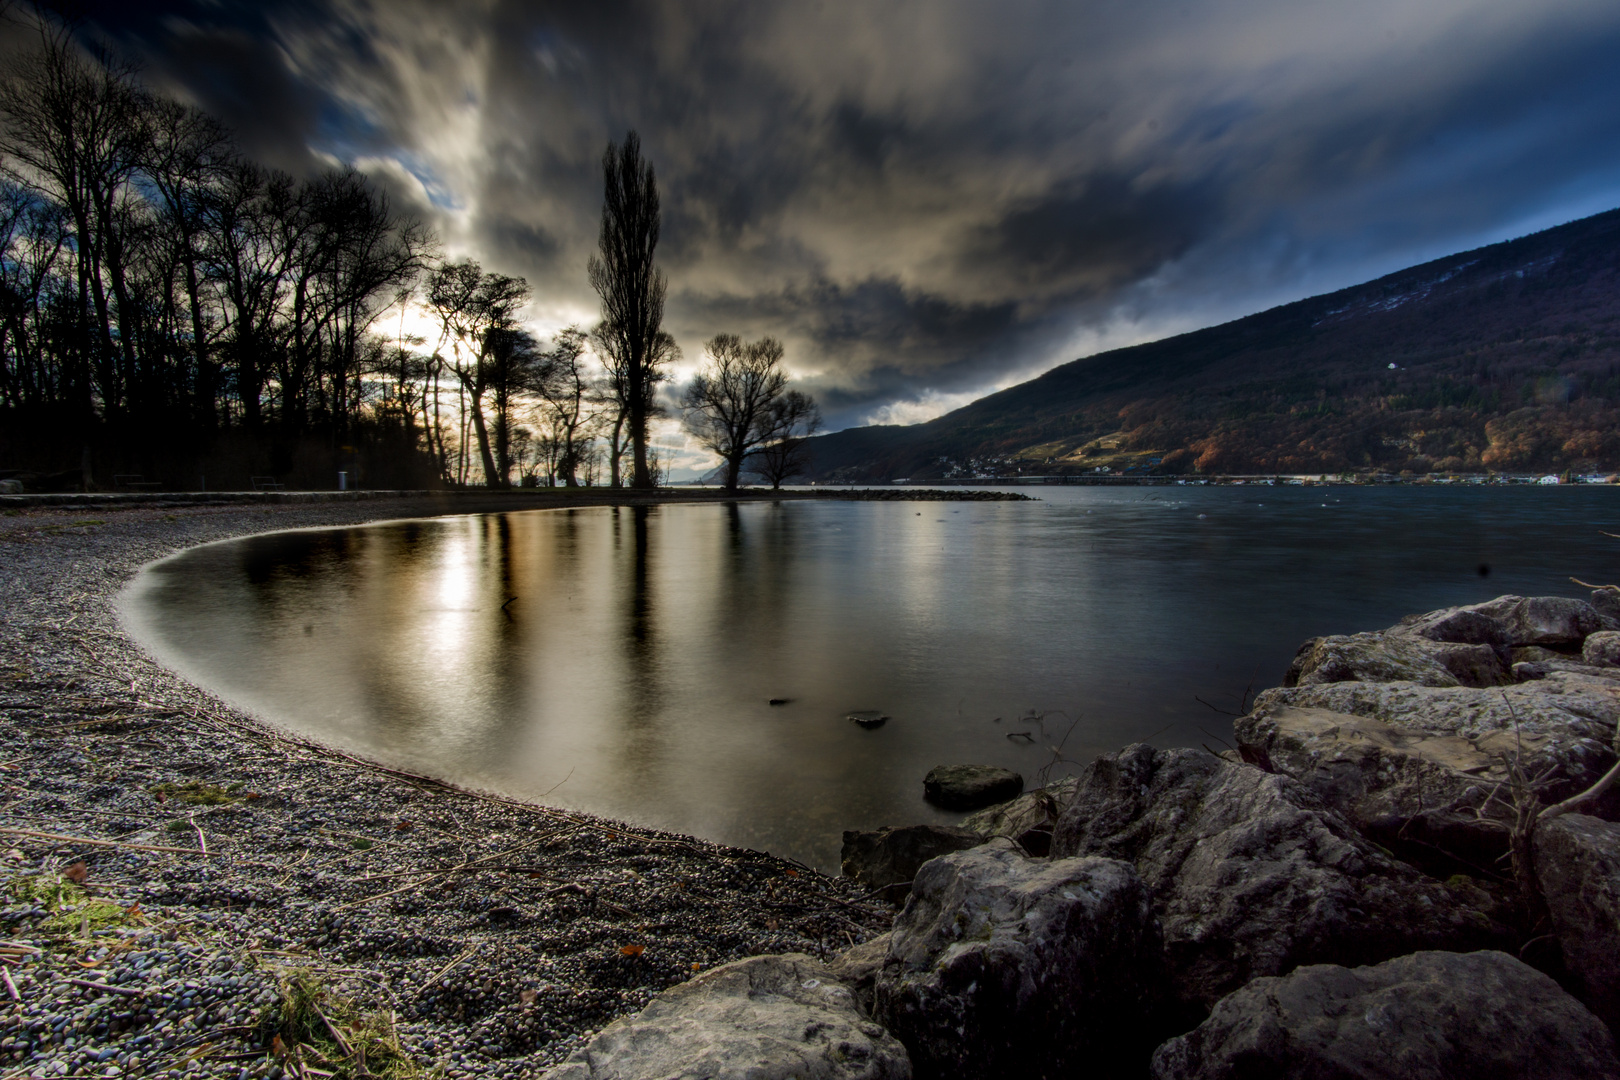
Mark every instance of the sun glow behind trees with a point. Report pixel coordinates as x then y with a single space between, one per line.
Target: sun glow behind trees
174 314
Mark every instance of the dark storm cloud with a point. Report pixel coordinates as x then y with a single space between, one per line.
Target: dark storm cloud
926 200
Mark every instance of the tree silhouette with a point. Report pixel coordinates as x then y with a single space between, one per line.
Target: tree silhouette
631 287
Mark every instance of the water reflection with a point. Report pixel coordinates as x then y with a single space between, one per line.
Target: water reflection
622 660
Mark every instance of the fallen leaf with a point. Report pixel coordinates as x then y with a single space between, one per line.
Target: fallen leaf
696 967
527 996
772 924
77 873
404 826
89 963
633 950
277 1047
792 873
161 797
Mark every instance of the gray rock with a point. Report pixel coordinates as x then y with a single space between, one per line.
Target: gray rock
1602 649
1566 721
1384 656
890 856
1252 875
11 487
1542 620
1365 768
764 1018
1606 602
969 787
1429 1016
858 968
1465 626
1003 965
1578 867
1031 810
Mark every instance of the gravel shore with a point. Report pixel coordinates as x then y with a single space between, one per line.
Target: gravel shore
188 892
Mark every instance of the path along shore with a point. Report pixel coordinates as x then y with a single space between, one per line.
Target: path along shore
179 880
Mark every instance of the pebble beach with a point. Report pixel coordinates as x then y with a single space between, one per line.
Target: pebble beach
185 890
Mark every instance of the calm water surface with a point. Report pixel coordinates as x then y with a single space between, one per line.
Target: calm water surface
621 661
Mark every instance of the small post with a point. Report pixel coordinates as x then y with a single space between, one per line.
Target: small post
343 480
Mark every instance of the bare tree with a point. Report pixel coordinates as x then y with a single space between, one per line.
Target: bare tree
613 394
514 365
631 288
565 388
470 304
729 403
788 423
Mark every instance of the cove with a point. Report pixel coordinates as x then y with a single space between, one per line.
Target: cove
623 660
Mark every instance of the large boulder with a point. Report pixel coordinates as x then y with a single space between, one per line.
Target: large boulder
1004 965
1429 1016
763 1018
1252 876
1602 649
1542 620
1578 868
1563 724
969 787
1387 656
1415 793
888 858
1363 767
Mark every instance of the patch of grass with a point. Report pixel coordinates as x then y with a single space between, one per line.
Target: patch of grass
318 1026
361 845
199 793
87 521
71 909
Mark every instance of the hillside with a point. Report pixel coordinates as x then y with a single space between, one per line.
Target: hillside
1504 358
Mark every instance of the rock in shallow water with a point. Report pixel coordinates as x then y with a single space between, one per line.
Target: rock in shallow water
969 787
1252 876
1002 965
1428 1016
764 1018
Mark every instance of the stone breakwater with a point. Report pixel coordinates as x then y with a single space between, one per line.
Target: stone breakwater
1408 866
178 883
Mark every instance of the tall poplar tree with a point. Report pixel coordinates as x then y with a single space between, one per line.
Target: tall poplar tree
631 287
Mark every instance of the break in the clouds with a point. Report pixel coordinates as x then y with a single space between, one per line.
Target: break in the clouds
928 200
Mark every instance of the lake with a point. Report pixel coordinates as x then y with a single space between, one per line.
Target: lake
622 661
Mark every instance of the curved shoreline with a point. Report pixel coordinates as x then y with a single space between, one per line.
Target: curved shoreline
498 933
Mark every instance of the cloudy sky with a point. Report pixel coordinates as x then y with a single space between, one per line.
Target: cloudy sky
931 200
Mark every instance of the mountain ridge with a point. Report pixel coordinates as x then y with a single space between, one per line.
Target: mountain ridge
1504 357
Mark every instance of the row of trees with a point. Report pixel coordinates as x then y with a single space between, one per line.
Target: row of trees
171 309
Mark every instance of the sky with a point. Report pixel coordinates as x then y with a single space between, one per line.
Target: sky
927 201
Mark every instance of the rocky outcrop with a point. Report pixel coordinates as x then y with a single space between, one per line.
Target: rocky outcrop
969 787
1372 726
1252 876
889 857
1429 1016
1004 965
764 1018
1578 869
